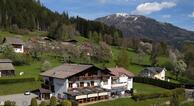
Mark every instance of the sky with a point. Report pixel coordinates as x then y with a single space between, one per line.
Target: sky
177 12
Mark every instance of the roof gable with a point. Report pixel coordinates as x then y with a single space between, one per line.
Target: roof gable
153 70
120 71
66 70
13 40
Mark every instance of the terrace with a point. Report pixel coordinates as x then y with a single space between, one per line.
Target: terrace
83 95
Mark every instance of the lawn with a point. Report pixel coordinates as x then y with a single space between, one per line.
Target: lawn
188 104
24 37
6 89
33 69
140 88
130 102
134 57
145 88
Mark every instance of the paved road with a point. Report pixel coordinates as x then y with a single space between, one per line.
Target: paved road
20 99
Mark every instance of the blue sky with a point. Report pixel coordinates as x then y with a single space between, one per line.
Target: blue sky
177 12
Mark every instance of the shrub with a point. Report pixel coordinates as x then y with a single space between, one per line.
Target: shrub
21 59
16 80
43 103
34 102
66 103
178 91
53 101
9 103
74 103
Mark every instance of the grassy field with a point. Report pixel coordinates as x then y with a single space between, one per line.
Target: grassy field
24 37
188 104
6 89
130 102
134 57
145 88
33 69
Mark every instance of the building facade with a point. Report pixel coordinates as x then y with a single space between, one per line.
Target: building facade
154 72
6 68
16 43
86 83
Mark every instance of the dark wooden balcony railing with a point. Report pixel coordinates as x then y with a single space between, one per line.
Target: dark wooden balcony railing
89 78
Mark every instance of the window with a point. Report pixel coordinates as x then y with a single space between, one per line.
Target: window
92 83
81 84
70 85
78 85
88 84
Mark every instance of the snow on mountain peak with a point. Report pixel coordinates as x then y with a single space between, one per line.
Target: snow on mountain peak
122 14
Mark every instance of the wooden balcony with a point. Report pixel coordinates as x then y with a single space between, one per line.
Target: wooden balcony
89 78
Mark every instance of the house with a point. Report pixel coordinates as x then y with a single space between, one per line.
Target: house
16 43
86 83
6 68
121 80
153 72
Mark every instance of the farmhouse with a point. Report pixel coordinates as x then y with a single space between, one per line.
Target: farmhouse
154 72
16 43
86 83
6 68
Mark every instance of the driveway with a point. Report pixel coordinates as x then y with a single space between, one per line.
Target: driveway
20 99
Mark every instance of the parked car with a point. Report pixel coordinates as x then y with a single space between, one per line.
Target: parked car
27 93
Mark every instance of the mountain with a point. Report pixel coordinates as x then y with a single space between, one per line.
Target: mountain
145 27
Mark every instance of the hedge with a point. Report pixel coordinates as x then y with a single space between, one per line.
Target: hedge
16 80
157 82
139 97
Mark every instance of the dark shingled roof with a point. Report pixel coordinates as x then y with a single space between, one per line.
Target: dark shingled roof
13 40
120 71
154 70
6 64
66 70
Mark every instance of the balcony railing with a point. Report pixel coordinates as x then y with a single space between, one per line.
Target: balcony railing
89 78
119 85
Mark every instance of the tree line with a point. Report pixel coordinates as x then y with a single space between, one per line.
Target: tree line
17 15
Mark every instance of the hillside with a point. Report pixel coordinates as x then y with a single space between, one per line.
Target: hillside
145 27
21 15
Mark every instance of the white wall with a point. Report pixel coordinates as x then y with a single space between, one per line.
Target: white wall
19 50
108 85
123 79
161 75
130 84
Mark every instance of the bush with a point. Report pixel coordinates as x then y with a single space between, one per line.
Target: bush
66 103
16 80
53 101
168 65
21 59
9 103
74 103
34 102
178 91
43 103
157 82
